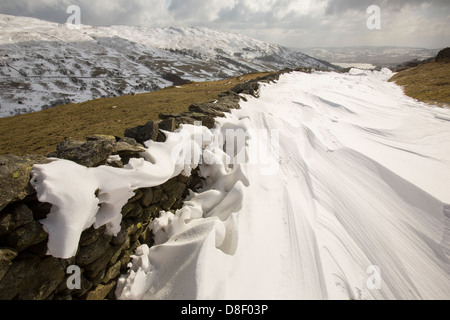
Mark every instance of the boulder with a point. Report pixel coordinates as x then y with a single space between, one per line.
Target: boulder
7 255
195 117
47 277
174 188
112 272
15 281
90 253
90 154
147 197
164 116
144 133
131 141
206 109
96 270
229 99
14 217
15 177
26 236
91 235
250 87
102 137
168 124
123 147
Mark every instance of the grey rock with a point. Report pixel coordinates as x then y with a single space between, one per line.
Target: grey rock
168 124
112 273
89 154
48 276
91 235
126 148
100 292
168 203
127 209
147 237
206 109
144 133
174 188
150 213
164 116
30 234
185 118
132 210
229 100
19 274
157 194
20 215
131 142
7 255
88 254
118 251
95 271
147 197
250 87
132 227
102 137
121 237
138 194
195 118
15 177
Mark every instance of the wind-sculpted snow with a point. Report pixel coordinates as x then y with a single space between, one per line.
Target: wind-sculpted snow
84 197
357 206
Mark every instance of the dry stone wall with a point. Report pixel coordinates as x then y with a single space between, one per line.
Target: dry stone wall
28 273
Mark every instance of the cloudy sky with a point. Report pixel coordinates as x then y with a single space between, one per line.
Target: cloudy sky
294 23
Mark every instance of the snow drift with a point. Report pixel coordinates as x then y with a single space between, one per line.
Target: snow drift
356 207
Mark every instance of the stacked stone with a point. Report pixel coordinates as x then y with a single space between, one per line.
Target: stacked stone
27 272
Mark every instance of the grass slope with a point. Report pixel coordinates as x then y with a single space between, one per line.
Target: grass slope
41 132
428 82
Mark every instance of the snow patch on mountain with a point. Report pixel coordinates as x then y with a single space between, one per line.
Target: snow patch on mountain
43 64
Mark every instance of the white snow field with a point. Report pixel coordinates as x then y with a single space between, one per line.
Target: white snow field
345 197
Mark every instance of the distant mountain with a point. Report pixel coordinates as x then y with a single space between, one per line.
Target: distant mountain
379 56
43 64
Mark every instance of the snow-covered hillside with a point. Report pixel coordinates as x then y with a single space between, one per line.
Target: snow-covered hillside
340 192
44 64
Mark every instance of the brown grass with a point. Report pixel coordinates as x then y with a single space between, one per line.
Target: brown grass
428 83
41 132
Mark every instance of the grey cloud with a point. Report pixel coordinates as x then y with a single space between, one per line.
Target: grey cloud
50 11
340 6
333 22
96 13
